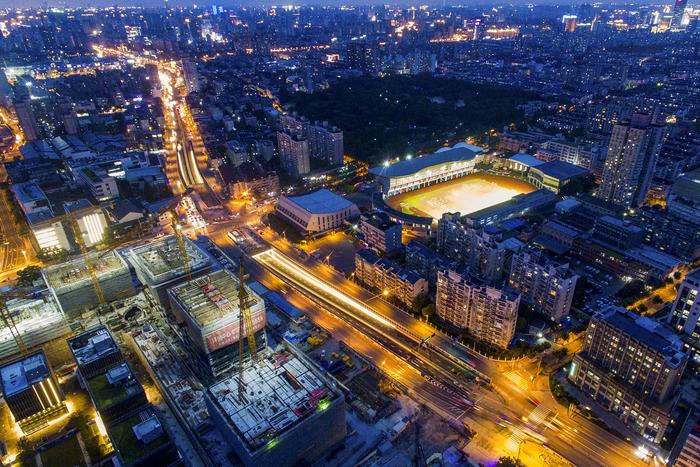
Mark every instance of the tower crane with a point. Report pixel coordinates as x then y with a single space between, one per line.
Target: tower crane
180 238
245 325
9 321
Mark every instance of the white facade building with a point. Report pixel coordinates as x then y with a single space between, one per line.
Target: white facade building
316 212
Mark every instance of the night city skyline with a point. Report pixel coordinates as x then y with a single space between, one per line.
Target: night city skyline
350 234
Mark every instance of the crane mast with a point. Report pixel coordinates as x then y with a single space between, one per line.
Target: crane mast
245 326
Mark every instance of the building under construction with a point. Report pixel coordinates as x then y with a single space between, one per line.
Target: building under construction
288 413
159 265
31 392
208 308
74 289
36 321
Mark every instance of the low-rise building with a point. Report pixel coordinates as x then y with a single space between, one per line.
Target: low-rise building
317 211
489 313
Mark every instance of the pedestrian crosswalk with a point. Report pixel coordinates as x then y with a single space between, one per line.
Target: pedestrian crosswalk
519 433
515 377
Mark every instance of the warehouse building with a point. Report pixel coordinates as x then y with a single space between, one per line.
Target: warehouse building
31 392
159 265
208 309
73 289
317 211
289 414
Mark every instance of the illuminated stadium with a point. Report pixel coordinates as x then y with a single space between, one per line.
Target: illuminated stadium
445 181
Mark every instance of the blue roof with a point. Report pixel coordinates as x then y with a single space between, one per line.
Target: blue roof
561 170
321 201
409 166
526 159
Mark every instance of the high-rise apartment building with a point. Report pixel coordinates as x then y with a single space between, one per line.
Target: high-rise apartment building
380 232
632 153
325 141
545 284
490 314
294 153
678 11
631 366
484 252
685 313
25 115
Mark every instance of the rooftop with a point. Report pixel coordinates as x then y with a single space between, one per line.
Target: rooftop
561 170
688 186
280 391
647 331
28 192
72 272
526 159
409 166
20 374
161 260
320 201
114 386
212 298
126 442
92 345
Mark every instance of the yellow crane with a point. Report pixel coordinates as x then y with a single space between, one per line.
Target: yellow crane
88 261
7 319
245 326
180 238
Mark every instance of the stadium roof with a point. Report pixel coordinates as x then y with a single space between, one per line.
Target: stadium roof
409 166
320 201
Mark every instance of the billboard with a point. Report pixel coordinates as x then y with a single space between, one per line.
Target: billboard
228 334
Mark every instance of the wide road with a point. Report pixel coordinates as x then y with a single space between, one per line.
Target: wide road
510 417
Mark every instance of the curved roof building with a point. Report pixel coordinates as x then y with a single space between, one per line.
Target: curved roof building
440 166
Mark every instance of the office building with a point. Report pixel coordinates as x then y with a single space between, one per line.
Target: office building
115 392
631 366
294 153
316 212
289 415
31 392
632 153
545 284
207 308
490 314
72 287
381 233
385 276
619 234
139 439
685 312
95 352
37 320
159 265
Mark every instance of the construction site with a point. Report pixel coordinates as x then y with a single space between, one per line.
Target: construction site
285 413
160 265
35 320
75 283
208 307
